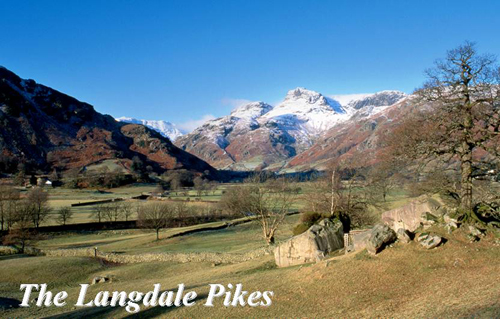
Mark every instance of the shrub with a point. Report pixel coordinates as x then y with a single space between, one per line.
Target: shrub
310 217
300 228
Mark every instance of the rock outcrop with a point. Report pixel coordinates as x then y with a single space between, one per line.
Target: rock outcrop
421 211
381 236
403 235
312 245
429 241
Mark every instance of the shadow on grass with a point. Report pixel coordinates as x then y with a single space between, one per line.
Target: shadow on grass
160 311
89 244
9 303
15 256
94 312
107 312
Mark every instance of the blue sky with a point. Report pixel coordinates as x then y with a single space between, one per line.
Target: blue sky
182 61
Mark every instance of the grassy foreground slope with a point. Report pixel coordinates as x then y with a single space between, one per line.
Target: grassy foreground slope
235 239
458 279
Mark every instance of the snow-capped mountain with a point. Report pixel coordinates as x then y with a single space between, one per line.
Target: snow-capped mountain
365 105
304 114
314 111
361 134
165 128
214 137
251 110
257 135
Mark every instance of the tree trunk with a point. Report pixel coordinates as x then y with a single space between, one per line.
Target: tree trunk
332 193
270 239
466 183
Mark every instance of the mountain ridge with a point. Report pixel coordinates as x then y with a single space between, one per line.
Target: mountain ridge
46 129
165 128
273 137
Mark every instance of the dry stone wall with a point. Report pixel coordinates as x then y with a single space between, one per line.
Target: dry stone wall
218 258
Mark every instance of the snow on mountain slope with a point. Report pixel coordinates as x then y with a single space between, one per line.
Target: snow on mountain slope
362 134
369 104
345 99
165 128
251 110
257 135
313 112
212 138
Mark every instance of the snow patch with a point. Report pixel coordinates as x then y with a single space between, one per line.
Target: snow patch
165 128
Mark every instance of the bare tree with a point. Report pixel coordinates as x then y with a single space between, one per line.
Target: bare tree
20 233
382 178
127 210
98 212
341 193
199 185
64 214
8 194
155 216
111 211
325 198
235 200
39 206
20 236
268 200
457 119
213 186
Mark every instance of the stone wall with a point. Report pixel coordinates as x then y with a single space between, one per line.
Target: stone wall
7 250
218 258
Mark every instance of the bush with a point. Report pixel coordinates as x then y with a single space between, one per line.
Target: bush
310 217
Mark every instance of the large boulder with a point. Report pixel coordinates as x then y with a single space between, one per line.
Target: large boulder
421 211
359 238
312 245
380 236
429 241
403 235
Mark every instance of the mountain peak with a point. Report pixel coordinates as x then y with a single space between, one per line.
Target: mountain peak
309 96
379 99
251 110
165 128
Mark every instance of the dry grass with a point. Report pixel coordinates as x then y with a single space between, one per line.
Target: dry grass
458 279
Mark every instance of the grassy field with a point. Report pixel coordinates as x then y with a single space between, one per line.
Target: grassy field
63 197
459 279
236 239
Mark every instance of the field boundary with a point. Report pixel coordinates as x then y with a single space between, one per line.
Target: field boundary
213 257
